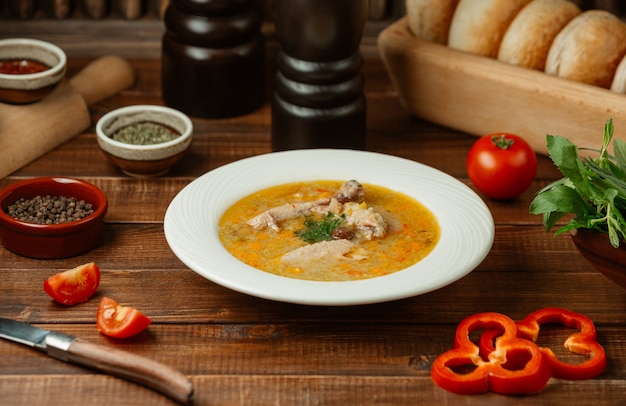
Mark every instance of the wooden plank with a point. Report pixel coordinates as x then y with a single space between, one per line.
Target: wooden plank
143 246
149 278
146 200
390 130
328 363
218 148
294 389
349 349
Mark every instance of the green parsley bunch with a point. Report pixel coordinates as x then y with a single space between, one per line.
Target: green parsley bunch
593 189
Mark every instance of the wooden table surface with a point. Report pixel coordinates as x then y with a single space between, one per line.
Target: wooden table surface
239 349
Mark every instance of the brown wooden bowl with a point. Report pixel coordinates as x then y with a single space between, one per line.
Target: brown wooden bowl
597 249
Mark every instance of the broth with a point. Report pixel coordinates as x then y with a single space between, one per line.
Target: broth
412 233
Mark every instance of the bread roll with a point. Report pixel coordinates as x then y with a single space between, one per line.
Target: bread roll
529 37
478 26
588 49
619 80
430 19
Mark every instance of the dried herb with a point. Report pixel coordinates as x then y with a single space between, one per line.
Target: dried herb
145 133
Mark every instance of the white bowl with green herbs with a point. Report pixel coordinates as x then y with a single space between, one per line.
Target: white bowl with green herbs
144 140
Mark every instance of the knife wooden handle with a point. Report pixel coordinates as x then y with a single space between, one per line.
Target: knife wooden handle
136 368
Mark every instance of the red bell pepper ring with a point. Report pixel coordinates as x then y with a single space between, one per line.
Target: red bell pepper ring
516 366
583 342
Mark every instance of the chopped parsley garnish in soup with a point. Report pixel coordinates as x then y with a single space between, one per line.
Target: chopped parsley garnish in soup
329 230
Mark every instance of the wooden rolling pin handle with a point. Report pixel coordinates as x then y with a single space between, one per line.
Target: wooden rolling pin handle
103 78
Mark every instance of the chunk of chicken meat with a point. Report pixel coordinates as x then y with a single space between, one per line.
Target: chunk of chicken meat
349 191
325 251
369 224
273 217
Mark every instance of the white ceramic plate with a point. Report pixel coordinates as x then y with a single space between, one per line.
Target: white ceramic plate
467 228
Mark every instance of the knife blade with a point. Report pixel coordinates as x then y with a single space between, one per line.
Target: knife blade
123 364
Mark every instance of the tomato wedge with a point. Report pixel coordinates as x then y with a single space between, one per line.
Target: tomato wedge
118 321
75 285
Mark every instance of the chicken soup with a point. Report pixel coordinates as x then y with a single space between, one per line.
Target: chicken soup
329 230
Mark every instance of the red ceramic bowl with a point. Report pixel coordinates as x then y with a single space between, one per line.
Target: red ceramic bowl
597 249
54 240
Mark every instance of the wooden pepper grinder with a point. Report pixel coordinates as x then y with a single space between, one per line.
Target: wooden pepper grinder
318 99
213 57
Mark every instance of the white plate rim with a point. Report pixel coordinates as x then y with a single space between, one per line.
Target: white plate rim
467 226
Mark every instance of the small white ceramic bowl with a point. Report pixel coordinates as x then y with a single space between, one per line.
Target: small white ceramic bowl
31 87
144 160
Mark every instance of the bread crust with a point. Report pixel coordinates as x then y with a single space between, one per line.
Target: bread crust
478 26
588 49
430 19
618 84
528 39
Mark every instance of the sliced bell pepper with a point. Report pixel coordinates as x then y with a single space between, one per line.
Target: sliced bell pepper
584 342
516 366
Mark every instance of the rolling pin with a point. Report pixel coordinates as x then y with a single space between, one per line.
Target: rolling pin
29 131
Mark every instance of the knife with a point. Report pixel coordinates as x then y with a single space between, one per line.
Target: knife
126 365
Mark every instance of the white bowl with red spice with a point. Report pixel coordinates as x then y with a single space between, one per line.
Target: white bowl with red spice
30 69
144 140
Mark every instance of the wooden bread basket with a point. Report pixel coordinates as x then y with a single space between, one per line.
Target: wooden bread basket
480 95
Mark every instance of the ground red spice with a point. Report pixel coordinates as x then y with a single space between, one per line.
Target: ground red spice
21 66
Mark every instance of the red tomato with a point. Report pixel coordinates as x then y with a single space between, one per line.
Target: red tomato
115 320
75 285
502 165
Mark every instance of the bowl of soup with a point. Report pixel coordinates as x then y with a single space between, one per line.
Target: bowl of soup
254 226
30 69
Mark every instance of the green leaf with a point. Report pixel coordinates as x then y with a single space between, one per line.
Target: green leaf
564 154
606 141
554 203
592 189
619 149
